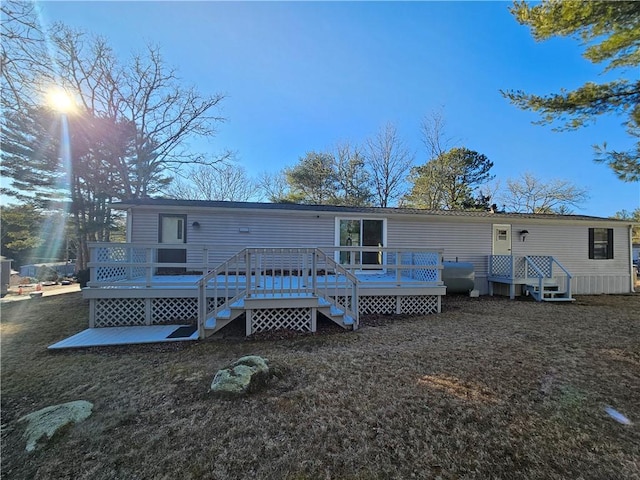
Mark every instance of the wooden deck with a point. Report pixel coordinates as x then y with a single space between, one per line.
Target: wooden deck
274 287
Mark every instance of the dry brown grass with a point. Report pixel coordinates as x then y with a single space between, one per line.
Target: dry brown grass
491 388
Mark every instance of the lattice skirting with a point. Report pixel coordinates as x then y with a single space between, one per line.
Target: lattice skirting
117 312
174 310
381 305
420 304
130 312
406 305
263 320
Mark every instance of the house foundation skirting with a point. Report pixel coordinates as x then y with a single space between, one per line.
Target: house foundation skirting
127 311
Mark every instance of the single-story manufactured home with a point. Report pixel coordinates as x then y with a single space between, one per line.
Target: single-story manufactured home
281 265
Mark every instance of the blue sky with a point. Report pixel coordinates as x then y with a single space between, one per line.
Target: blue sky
302 76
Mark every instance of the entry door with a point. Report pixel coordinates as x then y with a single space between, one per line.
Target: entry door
172 231
502 240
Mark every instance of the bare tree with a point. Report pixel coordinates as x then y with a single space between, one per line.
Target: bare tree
146 93
389 161
23 55
529 194
228 182
272 186
352 181
129 133
434 136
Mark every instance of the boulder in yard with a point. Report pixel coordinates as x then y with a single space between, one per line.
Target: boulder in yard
247 374
49 420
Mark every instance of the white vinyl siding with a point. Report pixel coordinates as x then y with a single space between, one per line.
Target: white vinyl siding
465 239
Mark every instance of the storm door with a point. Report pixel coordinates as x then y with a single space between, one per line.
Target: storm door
172 231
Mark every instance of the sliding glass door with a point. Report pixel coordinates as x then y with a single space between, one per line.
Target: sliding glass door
360 232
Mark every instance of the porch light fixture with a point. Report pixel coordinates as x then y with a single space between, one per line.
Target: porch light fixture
523 234
244 230
195 224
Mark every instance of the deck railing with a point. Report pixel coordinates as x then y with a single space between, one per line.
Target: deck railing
137 265
403 266
140 265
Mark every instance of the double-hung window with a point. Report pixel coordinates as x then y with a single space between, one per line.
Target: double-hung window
601 243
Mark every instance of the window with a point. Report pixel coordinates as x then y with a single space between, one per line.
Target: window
601 243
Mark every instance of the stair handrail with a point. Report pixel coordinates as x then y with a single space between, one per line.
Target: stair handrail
222 269
567 273
541 275
350 288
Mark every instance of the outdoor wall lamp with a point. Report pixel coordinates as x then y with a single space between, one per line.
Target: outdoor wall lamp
523 234
244 230
195 224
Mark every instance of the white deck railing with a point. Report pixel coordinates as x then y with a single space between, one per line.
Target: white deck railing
136 265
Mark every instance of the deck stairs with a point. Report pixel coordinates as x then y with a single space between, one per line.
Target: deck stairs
542 277
540 282
550 291
221 318
283 290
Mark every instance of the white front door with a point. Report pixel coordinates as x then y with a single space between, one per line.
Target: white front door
501 239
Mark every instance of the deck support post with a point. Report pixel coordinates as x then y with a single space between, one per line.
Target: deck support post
249 320
314 319
92 312
147 311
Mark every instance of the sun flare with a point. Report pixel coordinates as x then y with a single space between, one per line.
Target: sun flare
60 100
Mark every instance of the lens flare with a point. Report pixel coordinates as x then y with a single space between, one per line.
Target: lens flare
60 101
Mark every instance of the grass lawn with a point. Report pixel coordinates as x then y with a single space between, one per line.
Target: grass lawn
490 388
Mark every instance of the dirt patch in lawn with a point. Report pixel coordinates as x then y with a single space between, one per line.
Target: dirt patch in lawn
490 388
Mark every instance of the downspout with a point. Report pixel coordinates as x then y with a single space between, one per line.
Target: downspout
632 276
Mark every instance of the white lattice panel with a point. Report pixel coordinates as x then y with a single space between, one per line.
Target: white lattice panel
382 305
544 264
118 312
112 253
419 304
263 320
174 310
501 265
111 273
425 275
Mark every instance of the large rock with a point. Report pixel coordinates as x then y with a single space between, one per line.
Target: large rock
247 374
51 419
